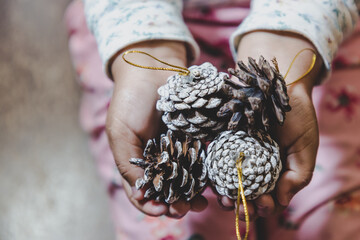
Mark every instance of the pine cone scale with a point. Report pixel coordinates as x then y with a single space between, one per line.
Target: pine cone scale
262 93
260 167
190 102
173 169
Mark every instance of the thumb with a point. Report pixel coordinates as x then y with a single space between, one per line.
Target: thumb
298 172
124 145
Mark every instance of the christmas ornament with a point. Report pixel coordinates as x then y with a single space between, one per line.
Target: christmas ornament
173 168
260 167
190 103
257 99
199 103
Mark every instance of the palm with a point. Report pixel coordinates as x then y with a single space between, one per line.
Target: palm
298 141
132 120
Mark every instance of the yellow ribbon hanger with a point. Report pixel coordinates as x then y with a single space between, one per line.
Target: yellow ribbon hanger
241 193
313 61
181 70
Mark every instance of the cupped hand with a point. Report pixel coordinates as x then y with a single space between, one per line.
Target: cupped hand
298 142
133 119
298 138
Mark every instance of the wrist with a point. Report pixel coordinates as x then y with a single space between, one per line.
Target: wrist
283 46
172 52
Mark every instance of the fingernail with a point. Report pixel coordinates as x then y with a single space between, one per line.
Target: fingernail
136 194
160 208
222 205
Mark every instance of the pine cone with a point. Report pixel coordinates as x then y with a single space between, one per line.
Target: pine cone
190 103
259 98
260 167
173 169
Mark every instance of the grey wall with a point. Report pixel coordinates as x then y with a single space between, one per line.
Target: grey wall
49 188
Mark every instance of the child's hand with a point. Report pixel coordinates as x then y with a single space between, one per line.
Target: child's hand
298 141
132 120
298 138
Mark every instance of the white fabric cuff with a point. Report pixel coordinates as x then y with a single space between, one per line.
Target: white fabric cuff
324 23
119 25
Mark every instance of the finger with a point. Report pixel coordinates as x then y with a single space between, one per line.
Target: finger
152 208
298 172
250 212
131 191
199 203
299 138
226 203
178 209
290 183
138 194
265 205
124 145
148 207
127 130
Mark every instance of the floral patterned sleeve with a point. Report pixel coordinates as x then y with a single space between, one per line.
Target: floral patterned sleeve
117 24
324 22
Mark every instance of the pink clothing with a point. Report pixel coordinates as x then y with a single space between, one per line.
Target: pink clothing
329 208
331 199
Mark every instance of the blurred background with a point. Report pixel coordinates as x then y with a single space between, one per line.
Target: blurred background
49 188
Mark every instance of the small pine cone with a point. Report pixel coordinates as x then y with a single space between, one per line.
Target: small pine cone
190 103
173 169
261 165
259 98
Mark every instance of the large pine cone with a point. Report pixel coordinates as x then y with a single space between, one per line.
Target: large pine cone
174 169
190 103
259 98
260 167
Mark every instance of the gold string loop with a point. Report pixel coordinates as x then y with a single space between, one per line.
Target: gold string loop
181 70
309 69
242 195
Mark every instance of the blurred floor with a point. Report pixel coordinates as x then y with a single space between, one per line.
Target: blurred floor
48 183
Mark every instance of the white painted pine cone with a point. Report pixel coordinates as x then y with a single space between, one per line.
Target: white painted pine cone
190 102
260 168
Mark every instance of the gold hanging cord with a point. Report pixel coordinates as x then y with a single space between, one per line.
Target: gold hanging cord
181 70
313 61
242 195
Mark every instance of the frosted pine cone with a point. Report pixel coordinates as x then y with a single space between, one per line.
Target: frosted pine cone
260 167
259 99
190 103
173 169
